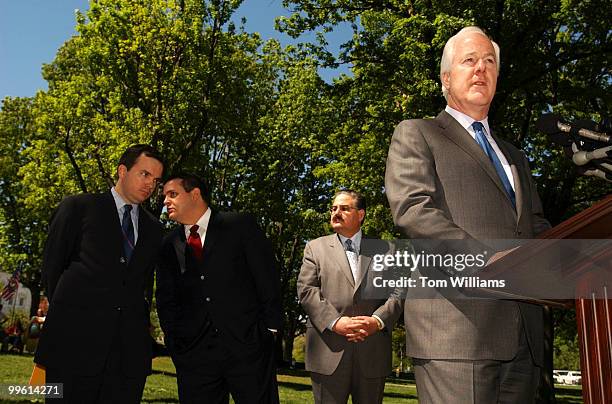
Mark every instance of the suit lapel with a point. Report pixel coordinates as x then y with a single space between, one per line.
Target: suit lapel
144 234
518 194
179 244
111 217
458 135
213 233
364 264
339 256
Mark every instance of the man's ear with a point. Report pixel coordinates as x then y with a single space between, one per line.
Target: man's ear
121 171
195 194
446 80
361 215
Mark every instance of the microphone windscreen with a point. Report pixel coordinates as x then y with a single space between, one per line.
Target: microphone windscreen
586 124
560 138
547 123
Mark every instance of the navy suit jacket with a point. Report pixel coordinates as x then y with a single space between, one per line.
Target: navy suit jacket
96 295
235 288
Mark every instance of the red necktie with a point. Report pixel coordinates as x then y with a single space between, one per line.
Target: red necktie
195 242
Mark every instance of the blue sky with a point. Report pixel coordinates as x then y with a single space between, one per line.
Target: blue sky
31 31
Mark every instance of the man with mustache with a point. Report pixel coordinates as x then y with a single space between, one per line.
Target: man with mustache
98 271
348 336
452 178
218 299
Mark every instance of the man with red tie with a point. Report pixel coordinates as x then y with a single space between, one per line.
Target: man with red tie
217 299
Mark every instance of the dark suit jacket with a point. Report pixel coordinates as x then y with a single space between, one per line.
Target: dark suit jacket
441 185
327 290
94 293
234 289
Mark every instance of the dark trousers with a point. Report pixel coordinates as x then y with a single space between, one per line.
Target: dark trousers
210 371
110 386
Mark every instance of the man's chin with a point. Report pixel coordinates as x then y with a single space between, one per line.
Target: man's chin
481 98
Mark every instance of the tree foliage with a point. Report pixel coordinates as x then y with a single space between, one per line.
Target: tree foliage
554 56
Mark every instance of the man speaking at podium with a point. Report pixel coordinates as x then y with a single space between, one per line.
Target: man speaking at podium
452 178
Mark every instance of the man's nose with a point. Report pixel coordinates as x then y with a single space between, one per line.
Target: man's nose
480 65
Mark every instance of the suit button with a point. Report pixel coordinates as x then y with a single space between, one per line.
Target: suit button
122 260
202 277
118 308
207 299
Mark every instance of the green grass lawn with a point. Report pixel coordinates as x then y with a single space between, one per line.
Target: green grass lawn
294 386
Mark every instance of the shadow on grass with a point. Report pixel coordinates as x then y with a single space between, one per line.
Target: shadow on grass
295 386
163 373
564 391
400 395
29 401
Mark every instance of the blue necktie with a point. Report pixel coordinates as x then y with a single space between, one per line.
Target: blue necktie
482 141
128 231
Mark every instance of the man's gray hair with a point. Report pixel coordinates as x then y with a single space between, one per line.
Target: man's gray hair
449 53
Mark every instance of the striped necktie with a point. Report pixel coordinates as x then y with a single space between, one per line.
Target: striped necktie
127 227
353 258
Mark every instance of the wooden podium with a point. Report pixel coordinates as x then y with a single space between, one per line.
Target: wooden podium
593 293
594 314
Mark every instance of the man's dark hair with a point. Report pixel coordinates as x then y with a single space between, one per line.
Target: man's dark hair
190 182
131 154
360 202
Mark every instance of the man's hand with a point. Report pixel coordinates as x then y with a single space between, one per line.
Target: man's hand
370 325
361 327
347 325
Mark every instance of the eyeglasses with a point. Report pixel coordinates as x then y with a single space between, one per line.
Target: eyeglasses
343 208
148 177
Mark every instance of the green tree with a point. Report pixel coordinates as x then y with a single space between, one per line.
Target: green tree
21 230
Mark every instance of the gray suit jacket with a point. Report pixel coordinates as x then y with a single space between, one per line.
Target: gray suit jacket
327 291
441 185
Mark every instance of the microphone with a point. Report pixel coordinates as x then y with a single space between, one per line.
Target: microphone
597 173
582 157
551 124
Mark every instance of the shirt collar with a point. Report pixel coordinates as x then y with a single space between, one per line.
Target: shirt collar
356 240
120 203
202 223
466 121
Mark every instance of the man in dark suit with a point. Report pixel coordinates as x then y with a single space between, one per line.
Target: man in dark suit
452 178
218 300
348 335
97 268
